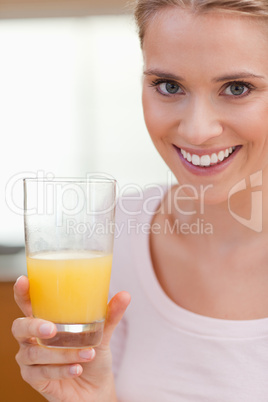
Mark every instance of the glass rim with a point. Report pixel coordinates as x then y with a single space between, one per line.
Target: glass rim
70 180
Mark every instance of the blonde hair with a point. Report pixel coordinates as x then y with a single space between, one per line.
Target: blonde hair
145 10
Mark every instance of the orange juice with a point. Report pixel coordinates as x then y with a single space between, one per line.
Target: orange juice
69 286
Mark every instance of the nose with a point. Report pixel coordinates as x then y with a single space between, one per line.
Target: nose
200 122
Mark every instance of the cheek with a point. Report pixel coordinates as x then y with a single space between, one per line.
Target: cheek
150 117
156 115
252 123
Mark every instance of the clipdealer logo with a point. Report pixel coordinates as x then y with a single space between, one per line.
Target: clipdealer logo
255 220
14 200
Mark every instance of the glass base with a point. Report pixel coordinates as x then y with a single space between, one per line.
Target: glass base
75 336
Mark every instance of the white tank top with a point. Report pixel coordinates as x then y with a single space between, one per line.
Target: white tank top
164 353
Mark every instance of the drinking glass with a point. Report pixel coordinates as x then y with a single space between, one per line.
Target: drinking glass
69 233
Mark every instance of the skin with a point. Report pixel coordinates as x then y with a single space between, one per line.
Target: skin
65 375
219 274
202 116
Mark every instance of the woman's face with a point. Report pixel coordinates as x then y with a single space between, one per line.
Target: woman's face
205 97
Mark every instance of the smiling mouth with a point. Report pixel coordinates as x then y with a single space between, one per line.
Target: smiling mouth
208 160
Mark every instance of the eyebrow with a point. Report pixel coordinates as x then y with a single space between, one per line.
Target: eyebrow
163 74
237 76
234 76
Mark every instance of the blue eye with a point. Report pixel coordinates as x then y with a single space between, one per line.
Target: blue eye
169 88
237 89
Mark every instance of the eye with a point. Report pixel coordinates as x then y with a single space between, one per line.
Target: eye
167 88
238 89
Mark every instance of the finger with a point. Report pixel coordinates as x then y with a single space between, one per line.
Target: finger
115 311
33 354
27 327
40 376
22 296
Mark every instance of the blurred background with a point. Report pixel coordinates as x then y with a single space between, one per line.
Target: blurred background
70 104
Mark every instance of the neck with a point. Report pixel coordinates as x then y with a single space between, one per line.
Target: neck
244 216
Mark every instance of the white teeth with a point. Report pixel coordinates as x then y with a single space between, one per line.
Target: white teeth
213 158
195 160
221 156
207 160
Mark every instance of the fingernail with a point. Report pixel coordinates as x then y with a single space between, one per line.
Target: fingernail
87 354
76 370
46 329
18 279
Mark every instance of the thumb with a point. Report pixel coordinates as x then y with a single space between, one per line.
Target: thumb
115 311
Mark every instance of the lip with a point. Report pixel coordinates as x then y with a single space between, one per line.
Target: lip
206 170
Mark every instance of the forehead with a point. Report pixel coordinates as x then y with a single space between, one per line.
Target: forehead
176 37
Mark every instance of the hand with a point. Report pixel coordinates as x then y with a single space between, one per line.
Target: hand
65 374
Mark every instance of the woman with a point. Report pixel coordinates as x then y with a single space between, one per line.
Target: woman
197 326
